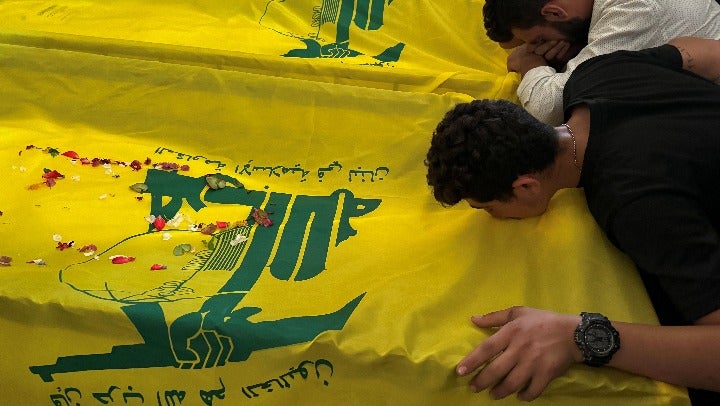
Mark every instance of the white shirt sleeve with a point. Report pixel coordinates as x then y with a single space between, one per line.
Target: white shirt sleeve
541 94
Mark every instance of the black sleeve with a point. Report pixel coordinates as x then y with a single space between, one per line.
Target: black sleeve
672 241
632 76
665 55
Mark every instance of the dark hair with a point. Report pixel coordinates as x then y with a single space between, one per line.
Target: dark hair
500 16
480 148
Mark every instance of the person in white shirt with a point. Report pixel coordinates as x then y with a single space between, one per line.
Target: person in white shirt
549 37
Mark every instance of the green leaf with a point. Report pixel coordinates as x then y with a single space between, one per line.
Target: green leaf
182 249
215 182
139 187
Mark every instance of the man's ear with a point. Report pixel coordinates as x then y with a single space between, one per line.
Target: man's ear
526 185
554 12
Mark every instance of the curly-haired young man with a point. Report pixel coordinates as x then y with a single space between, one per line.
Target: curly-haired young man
554 36
642 137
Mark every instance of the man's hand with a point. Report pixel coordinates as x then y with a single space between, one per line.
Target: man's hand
521 60
531 348
550 53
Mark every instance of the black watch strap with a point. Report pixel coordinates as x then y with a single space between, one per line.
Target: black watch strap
596 338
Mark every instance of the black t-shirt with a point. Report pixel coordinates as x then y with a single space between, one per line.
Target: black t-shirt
651 174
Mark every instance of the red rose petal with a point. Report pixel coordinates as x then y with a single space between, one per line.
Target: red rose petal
122 259
52 174
159 223
71 154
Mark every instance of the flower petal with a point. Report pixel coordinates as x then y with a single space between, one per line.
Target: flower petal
121 259
139 187
71 154
159 223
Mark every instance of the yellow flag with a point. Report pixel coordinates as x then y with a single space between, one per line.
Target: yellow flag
226 203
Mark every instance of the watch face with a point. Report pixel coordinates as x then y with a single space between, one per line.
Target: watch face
599 339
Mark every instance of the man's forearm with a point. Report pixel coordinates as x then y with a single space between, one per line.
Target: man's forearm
683 355
700 56
540 93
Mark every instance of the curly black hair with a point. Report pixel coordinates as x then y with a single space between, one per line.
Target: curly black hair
501 16
480 148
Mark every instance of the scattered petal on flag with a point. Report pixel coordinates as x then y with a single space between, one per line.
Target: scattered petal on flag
52 151
209 229
215 182
139 187
159 223
5 260
121 259
52 174
176 220
71 154
261 217
239 239
157 267
167 166
182 249
64 245
88 250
